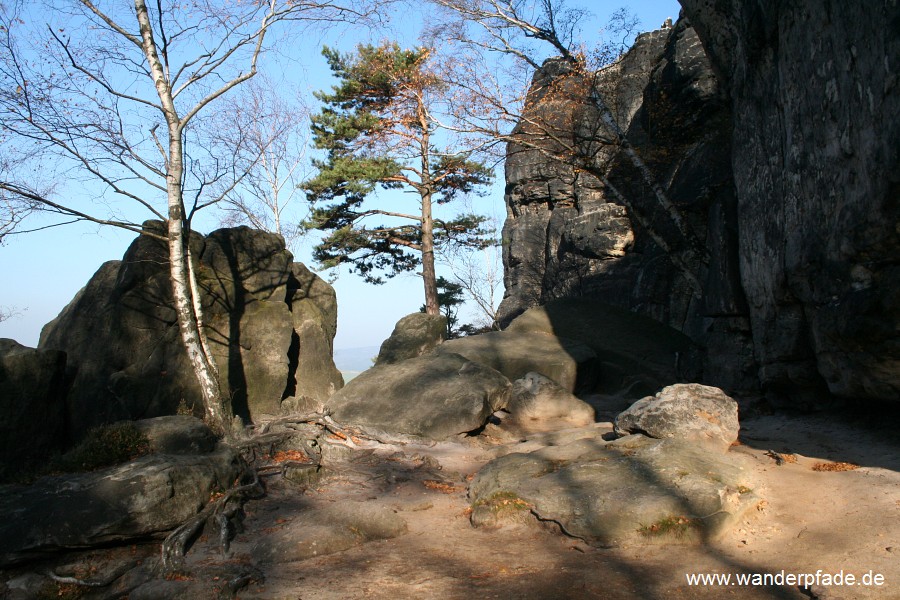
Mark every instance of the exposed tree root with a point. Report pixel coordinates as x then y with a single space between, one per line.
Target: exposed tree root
223 511
101 582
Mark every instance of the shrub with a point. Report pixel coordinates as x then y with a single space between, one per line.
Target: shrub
104 446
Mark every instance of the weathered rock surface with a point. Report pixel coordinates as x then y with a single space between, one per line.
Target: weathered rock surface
791 234
149 495
538 398
634 489
414 335
568 236
270 324
177 434
314 316
32 402
690 412
434 397
635 354
568 362
814 92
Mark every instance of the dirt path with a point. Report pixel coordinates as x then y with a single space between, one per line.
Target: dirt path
395 525
811 520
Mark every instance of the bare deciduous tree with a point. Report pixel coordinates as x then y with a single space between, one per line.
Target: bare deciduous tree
273 134
113 95
549 114
479 272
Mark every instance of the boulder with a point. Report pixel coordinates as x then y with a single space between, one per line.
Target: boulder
433 397
634 353
150 495
690 412
414 335
536 399
270 324
32 402
177 434
568 362
632 490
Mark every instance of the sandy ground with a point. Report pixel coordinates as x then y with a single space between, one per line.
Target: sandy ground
810 520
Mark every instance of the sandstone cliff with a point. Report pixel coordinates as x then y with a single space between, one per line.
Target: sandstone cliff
270 323
814 94
773 134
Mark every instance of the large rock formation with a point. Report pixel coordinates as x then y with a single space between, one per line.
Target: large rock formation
270 324
794 284
32 402
571 234
815 100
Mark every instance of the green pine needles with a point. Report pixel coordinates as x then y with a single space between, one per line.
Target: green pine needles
381 130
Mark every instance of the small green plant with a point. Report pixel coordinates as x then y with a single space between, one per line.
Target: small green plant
676 526
743 489
104 446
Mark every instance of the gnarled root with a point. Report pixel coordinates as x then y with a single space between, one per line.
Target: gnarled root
223 511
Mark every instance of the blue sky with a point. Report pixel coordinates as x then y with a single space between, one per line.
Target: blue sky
43 270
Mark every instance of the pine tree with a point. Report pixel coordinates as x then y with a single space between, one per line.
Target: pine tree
379 131
450 298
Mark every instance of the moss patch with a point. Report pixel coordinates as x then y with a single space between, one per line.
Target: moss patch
676 526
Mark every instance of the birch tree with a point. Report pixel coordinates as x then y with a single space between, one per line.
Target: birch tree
110 95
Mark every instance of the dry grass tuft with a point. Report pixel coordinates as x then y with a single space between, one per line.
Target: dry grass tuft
834 466
440 486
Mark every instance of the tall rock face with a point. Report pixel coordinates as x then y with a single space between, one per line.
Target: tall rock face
815 98
570 234
270 324
772 129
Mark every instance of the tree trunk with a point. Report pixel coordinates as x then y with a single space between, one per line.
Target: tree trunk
428 273
216 413
180 272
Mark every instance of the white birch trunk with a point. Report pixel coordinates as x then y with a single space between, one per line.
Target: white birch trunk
186 308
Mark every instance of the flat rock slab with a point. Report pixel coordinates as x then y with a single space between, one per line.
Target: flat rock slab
515 354
636 352
152 494
328 530
433 397
634 489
